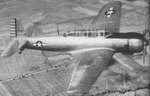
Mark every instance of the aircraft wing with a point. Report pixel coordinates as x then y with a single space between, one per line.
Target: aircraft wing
91 65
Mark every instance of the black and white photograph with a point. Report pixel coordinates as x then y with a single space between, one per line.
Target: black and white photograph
74 48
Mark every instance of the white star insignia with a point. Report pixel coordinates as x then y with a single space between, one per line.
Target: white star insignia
110 12
39 44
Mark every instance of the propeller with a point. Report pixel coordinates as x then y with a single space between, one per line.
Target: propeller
57 29
144 53
146 43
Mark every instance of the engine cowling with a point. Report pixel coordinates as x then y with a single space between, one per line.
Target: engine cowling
136 45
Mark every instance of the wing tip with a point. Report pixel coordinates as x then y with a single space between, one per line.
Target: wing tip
117 2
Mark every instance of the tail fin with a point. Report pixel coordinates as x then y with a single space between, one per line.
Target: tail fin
18 42
108 17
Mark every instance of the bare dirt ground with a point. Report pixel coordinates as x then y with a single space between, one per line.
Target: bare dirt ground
31 74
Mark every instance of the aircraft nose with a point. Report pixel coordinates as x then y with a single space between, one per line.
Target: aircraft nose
146 43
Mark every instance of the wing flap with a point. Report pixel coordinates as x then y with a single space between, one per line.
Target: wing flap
85 74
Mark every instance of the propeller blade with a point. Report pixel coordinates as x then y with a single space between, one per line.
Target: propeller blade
57 30
144 53
144 31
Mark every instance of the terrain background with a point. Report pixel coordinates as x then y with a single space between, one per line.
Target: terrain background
36 73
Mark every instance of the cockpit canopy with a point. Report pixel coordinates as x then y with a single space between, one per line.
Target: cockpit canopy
87 33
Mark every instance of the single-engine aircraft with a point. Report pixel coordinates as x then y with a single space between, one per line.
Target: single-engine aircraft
95 47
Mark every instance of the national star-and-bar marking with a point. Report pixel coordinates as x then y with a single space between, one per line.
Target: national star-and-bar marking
110 12
39 44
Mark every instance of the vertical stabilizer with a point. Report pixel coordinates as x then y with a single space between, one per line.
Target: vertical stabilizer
108 17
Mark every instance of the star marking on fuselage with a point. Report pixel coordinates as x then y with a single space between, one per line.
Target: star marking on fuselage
110 12
39 44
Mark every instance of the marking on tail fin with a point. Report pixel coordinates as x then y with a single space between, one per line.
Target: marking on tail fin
108 17
110 12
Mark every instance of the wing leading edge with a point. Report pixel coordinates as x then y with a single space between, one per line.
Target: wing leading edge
90 66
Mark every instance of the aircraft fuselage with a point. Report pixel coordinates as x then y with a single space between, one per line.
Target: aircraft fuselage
63 44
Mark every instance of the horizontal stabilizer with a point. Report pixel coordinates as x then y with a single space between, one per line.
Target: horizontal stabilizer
13 47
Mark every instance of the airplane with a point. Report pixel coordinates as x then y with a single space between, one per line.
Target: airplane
94 47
